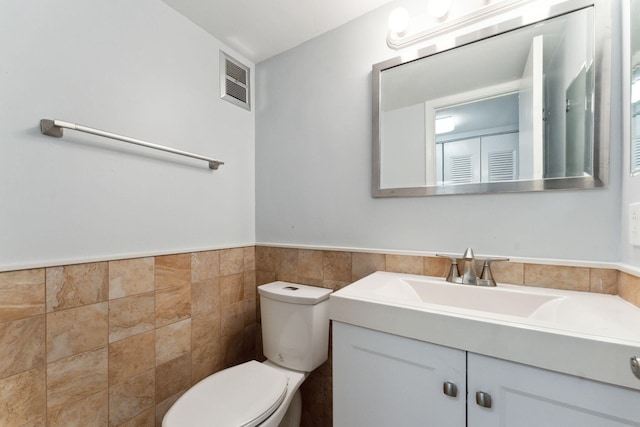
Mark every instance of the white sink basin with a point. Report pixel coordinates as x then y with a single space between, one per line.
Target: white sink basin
438 292
578 333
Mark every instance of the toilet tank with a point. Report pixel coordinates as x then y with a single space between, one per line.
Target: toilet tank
295 324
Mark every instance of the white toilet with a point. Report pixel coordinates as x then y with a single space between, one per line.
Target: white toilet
295 336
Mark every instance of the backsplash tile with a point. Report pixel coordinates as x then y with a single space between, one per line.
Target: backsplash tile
286 264
629 288
266 259
173 377
205 296
404 264
173 304
131 277
232 319
173 341
436 266
76 330
556 276
91 411
145 419
205 266
231 289
131 316
26 338
310 265
76 285
76 377
132 397
363 264
131 356
249 261
336 266
22 294
206 348
231 261
22 397
172 271
508 272
604 281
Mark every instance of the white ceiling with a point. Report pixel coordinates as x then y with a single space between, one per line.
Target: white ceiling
260 29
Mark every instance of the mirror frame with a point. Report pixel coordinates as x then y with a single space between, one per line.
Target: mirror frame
601 119
627 84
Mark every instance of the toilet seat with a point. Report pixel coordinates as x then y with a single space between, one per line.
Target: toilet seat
242 396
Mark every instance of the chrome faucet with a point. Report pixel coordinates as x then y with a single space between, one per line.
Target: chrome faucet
469 274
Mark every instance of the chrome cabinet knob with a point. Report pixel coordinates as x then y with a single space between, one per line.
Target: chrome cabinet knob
635 366
450 389
483 399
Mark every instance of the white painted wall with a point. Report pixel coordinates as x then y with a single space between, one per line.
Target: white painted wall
134 68
313 175
630 184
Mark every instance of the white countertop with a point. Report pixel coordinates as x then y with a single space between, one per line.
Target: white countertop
579 333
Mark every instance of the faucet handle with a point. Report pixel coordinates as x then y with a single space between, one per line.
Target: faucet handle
454 273
486 278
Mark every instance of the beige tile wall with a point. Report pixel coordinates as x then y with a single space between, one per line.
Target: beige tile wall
116 343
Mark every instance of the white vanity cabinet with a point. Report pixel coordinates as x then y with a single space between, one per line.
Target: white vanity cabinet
525 396
385 380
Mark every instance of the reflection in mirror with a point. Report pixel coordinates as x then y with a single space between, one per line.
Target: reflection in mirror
634 19
510 112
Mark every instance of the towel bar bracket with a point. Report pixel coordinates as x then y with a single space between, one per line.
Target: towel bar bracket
49 128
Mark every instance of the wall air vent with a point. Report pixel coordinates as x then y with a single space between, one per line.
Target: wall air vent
234 81
502 166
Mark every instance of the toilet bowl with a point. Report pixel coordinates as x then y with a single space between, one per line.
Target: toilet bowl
295 330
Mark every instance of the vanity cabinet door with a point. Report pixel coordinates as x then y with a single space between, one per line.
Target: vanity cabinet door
525 396
385 380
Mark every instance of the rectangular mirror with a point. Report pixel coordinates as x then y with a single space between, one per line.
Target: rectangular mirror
634 36
519 106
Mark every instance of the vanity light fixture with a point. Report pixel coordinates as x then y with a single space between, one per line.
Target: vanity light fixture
444 125
399 21
439 8
421 28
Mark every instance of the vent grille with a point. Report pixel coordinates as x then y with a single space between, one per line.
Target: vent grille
635 156
501 166
234 81
461 169
235 72
237 91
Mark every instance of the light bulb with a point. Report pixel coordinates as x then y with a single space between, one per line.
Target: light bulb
399 21
438 8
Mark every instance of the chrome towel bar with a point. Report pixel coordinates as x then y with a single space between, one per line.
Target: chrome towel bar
54 128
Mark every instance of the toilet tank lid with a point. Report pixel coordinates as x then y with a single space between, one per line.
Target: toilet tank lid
294 293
